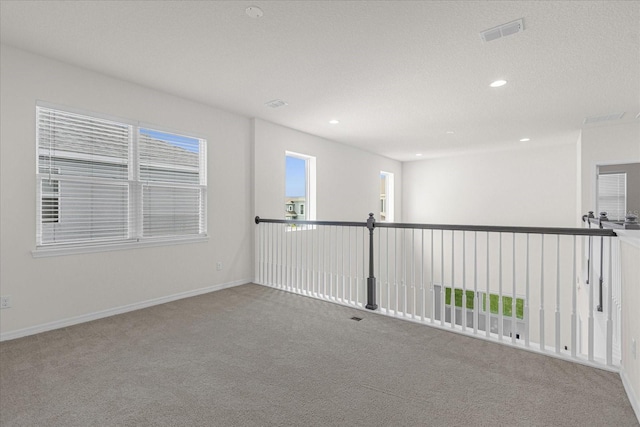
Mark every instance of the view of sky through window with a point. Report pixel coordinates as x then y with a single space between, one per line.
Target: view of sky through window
296 176
184 142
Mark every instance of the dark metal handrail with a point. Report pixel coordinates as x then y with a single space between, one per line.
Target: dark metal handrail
485 228
258 220
371 224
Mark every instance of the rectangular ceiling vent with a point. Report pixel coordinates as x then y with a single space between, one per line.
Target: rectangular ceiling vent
276 103
604 118
503 30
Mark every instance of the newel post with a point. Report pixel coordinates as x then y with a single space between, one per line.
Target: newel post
371 280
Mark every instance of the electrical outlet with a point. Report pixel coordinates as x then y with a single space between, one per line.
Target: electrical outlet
218 266
5 302
633 348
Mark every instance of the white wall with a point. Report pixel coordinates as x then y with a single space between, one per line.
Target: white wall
347 179
630 254
530 186
53 289
605 145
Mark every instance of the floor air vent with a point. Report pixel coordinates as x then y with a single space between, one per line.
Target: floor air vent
357 319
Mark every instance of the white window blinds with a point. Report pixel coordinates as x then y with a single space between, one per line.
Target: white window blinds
173 177
83 169
612 195
101 181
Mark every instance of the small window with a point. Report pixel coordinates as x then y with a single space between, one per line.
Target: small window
299 186
612 195
386 197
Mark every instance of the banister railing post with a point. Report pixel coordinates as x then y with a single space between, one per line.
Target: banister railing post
587 218
603 217
631 222
371 280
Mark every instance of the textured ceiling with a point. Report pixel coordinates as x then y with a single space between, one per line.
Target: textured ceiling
398 75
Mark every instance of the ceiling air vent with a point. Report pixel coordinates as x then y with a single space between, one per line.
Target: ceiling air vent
503 30
605 118
275 103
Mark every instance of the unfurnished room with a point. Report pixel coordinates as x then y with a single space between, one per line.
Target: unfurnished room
331 213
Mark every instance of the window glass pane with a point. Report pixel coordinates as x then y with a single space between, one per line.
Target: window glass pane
87 212
295 187
171 169
612 195
170 211
386 196
166 157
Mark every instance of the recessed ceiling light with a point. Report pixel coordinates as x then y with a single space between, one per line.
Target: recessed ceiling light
334 122
254 12
418 154
525 139
450 132
498 83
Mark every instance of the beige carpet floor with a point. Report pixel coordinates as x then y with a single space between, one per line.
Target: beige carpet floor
255 356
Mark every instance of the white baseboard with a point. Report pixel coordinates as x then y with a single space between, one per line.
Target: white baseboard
113 311
633 398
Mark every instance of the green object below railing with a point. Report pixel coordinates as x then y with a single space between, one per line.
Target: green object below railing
507 302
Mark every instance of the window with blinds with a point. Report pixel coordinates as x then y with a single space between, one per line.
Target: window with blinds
101 182
612 195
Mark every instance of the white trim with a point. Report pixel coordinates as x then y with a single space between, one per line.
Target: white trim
116 310
59 250
631 237
633 399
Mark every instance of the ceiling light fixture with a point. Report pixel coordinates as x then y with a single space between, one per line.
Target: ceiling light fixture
419 155
525 140
334 121
275 103
254 12
498 83
450 132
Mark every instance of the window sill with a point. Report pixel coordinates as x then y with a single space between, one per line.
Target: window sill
50 251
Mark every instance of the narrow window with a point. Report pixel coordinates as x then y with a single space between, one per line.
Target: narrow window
612 195
299 186
386 197
173 184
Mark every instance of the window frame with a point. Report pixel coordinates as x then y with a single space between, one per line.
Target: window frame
618 196
310 189
134 226
388 202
